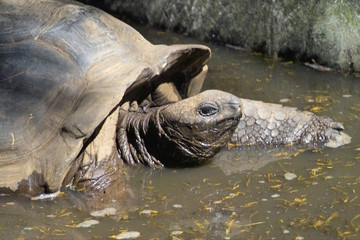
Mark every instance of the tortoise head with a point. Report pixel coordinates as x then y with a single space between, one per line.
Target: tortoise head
164 121
180 133
194 129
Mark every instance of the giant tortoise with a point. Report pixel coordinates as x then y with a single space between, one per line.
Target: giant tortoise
82 93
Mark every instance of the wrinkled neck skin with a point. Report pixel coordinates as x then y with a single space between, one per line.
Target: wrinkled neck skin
149 139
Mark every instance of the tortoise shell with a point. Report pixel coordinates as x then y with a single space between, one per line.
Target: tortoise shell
64 67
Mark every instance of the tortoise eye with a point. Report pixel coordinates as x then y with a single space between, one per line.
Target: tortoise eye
207 110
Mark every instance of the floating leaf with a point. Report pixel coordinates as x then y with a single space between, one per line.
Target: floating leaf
321 99
87 223
247 205
105 212
247 181
126 235
317 109
300 200
148 212
332 216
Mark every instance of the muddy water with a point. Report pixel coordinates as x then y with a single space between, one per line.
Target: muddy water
242 193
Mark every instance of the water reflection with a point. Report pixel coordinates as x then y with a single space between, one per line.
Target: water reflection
245 160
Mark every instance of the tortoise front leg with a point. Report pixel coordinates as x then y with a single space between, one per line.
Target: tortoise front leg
274 124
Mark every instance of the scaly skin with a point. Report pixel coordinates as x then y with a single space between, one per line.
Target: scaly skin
273 124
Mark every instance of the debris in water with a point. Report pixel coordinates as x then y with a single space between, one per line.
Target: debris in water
235 47
175 233
290 176
127 235
12 140
247 181
247 205
87 223
284 100
317 109
47 195
105 212
318 67
177 206
148 212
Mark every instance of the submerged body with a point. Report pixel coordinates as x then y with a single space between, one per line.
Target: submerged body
82 93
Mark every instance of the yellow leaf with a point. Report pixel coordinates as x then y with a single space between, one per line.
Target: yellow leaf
318 223
320 99
148 212
71 225
246 205
354 218
65 214
300 200
281 154
247 181
12 139
317 109
276 186
332 216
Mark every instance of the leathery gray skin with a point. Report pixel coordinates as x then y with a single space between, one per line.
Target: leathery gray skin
274 124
